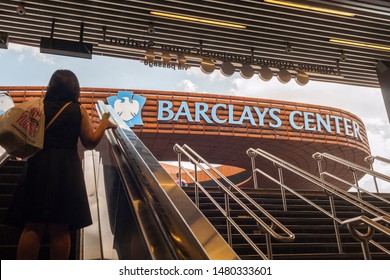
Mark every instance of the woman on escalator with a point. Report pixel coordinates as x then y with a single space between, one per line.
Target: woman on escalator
53 196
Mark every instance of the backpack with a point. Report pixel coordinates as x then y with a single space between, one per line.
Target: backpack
22 128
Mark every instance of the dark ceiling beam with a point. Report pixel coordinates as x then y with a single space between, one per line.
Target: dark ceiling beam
285 36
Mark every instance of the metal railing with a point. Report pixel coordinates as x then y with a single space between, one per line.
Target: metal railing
378 158
370 160
356 223
268 230
330 189
354 168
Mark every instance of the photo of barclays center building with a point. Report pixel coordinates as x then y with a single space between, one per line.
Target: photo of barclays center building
266 179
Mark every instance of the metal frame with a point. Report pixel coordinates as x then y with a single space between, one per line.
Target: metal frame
307 32
227 189
328 188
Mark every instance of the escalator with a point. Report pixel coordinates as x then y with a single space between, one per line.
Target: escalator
11 175
138 210
150 216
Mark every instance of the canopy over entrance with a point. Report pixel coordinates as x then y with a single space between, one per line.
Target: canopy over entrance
338 41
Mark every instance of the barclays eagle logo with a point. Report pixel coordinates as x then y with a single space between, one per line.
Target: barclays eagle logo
128 106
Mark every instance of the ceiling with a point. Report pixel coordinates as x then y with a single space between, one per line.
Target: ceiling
269 28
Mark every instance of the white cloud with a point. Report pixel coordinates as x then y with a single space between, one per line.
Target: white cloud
187 85
216 76
195 71
45 58
33 52
21 58
18 48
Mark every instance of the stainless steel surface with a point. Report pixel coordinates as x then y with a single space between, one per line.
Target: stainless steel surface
98 239
171 224
92 240
200 162
356 223
356 166
4 156
356 187
326 186
378 158
329 189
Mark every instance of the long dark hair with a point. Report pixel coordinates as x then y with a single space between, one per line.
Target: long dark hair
63 86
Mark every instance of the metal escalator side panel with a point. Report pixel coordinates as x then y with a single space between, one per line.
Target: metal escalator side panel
187 230
135 222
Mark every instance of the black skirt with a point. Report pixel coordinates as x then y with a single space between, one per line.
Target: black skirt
53 191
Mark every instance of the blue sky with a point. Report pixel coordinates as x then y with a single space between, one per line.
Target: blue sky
21 65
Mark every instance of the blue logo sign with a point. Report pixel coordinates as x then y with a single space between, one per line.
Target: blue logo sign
128 106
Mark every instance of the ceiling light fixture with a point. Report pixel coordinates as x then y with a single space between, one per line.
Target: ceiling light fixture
284 76
166 57
199 20
247 71
311 8
150 55
181 59
360 44
227 69
265 73
207 66
301 78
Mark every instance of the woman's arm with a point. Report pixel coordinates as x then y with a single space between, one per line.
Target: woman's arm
88 135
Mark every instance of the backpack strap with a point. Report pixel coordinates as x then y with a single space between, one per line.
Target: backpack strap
56 116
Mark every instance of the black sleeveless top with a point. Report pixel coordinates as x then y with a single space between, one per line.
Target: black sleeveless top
65 130
53 190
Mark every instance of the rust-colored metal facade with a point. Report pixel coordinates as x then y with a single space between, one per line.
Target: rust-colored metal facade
226 144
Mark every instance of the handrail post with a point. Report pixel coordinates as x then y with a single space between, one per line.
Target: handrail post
268 243
269 246
335 224
365 249
370 161
254 175
356 179
179 164
228 224
281 183
363 238
196 185
318 157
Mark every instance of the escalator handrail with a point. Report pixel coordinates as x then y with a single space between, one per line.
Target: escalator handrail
189 234
4 157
